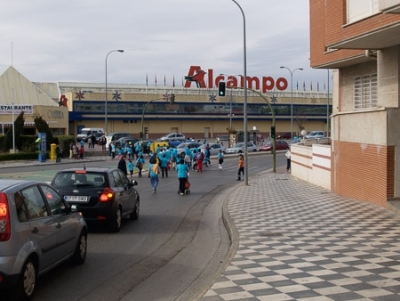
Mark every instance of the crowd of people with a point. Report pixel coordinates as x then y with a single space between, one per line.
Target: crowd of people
163 160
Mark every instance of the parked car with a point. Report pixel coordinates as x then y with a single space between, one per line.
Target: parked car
173 136
191 145
295 141
214 148
175 143
285 135
104 195
125 140
113 137
238 148
315 135
158 144
38 231
280 145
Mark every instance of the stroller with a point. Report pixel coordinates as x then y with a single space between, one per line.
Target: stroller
187 187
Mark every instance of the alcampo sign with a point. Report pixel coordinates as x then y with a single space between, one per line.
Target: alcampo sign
206 80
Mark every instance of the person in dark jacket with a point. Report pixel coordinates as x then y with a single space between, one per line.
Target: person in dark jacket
122 165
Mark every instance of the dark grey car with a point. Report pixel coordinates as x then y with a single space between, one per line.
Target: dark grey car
38 231
104 195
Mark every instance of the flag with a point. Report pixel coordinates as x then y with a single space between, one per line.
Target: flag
311 86
317 86
304 85
147 80
155 80
165 81
297 85
173 81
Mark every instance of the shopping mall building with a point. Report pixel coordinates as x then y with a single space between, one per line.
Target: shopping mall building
197 111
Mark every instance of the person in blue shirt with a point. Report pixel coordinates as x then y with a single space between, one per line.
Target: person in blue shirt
207 155
163 164
130 168
182 170
220 159
129 152
174 154
154 170
139 163
148 147
112 146
138 148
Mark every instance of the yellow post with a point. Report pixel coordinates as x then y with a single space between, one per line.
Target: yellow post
53 151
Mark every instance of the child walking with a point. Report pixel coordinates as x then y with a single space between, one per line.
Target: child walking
130 168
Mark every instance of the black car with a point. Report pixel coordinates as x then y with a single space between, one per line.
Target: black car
104 195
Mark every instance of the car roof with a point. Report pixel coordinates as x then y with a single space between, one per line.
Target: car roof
7 183
89 169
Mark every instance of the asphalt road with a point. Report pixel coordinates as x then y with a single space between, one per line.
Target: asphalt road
174 251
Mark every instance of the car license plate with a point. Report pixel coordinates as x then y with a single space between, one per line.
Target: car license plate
76 198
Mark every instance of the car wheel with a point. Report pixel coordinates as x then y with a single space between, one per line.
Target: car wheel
80 250
116 223
135 213
25 286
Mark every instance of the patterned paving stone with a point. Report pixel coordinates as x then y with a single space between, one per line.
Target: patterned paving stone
301 242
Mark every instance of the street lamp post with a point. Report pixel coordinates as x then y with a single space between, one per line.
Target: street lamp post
291 97
246 175
105 108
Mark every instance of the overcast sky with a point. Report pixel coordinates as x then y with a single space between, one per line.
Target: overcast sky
51 41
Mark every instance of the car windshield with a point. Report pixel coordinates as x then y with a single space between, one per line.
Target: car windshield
67 179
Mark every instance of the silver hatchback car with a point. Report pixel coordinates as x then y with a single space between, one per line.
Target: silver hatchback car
38 231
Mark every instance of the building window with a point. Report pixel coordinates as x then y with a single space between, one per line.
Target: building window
365 91
360 9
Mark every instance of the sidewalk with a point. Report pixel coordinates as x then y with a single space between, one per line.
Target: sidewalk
297 241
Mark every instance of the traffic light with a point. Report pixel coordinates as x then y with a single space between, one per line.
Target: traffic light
273 132
145 130
221 89
172 99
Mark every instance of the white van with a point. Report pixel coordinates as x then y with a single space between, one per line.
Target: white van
88 132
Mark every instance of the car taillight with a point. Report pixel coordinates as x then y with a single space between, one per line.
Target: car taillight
106 195
5 228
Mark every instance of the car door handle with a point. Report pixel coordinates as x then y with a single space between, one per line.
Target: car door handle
35 230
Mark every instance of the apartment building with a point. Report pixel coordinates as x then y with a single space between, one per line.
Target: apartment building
359 41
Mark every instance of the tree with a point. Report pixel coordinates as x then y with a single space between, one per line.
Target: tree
19 128
43 127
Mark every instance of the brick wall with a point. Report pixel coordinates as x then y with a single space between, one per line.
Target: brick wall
328 26
364 172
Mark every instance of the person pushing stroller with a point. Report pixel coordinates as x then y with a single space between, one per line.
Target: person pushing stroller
183 172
